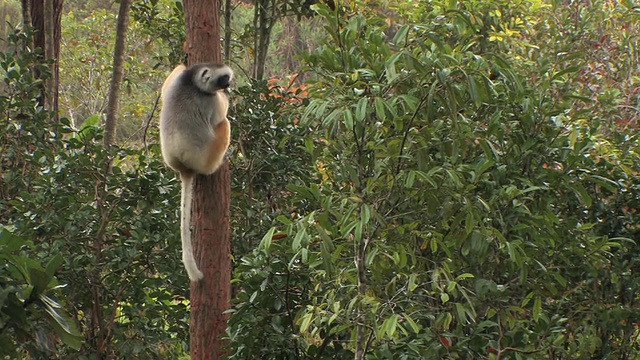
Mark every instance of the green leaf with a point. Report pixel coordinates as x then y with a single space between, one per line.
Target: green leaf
296 245
436 40
326 249
8 348
361 109
412 282
10 242
348 120
537 308
464 276
412 324
64 325
89 123
604 182
365 214
357 234
527 299
389 325
469 223
461 314
390 67
39 280
15 310
306 322
401 35
582 194
53 265
560 279
444 297
381 113
265 243
569 70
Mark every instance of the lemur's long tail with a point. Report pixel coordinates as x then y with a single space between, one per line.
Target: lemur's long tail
185 228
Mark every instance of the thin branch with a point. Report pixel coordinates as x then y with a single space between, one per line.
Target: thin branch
406 133
146 128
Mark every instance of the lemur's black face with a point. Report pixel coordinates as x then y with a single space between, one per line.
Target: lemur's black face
212 77
224 81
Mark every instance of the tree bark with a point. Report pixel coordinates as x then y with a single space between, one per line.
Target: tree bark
26 19
45 18
49 84
57 34
264 17
113 106
211 296
361 266
227 30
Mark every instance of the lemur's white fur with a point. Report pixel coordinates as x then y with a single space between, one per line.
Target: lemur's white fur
194 134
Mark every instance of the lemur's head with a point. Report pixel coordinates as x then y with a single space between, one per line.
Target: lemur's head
211 77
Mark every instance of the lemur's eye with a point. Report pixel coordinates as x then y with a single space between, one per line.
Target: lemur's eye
205 73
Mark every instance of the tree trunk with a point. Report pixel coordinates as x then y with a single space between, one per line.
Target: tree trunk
210 297
292 44
113 106
227 30
264 17
361 266
45 18
26 19
57 34
49 84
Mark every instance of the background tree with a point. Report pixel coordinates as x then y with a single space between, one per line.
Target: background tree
45 17
113 106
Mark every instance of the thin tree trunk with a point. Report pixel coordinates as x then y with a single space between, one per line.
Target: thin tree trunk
361 255
26 19
45 18
49 84
113 106
227 30
55 67
210 297
256 36
265 16
293 45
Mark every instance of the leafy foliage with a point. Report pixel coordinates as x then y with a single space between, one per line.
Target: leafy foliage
472 198
29 306
267 154
104 219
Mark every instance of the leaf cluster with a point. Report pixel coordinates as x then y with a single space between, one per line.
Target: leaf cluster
483 195
103 217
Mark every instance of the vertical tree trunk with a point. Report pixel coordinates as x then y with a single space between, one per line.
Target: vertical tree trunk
48 51
292 45
256 36
113 106
361 266
210 297
265 15
45 18
26 18
227 30
57 34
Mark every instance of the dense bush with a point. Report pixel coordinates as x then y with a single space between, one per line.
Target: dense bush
32 312
108 215
489 208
